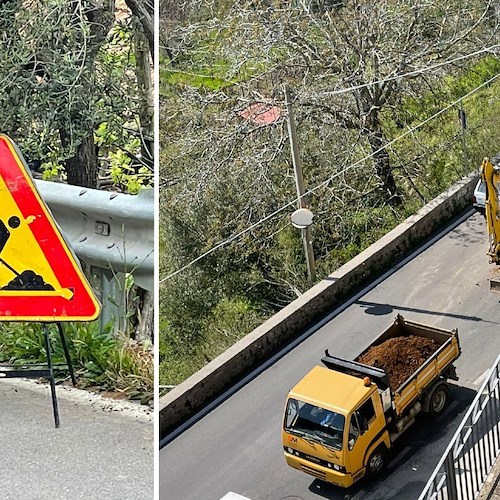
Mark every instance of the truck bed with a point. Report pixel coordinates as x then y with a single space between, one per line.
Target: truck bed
437 363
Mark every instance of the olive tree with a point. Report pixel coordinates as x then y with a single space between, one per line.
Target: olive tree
61 80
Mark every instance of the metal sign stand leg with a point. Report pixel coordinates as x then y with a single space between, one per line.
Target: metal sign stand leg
12 371
51 375
66 353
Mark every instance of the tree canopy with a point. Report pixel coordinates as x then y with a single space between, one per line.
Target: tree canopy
224 170
71 92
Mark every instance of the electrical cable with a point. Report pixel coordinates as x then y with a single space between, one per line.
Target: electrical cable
404 75
325 182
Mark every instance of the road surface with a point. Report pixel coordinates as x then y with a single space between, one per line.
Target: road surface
237 446
101 451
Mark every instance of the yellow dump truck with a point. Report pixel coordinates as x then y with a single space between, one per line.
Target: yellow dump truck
342 419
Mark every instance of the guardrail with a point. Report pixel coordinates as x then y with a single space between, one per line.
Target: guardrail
467 461
112 233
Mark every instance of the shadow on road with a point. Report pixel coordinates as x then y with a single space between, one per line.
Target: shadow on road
377 309
475 231
415 456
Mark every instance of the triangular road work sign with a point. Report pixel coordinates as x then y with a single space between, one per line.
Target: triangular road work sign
40 279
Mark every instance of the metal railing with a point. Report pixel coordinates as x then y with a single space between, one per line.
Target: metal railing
467 461
113 234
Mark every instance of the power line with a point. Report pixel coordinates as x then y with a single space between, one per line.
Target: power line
404 75
400 75
327 181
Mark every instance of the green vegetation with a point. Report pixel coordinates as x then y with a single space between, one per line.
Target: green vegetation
75 96
222 173
100 360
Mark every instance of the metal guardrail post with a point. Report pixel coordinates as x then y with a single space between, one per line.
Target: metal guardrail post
112 233
111 295
451 483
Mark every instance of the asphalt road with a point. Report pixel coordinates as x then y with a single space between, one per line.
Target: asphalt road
237 446
99 452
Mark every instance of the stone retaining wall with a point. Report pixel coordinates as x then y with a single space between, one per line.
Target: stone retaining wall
220 373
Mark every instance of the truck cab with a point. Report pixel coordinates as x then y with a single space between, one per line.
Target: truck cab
333 423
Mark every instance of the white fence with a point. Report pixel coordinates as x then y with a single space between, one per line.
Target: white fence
467 461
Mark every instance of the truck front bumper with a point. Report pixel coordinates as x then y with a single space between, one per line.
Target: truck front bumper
324 473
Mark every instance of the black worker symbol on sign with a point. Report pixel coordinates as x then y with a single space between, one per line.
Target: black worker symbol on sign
27 279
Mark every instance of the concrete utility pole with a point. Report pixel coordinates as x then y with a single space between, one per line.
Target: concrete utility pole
299 181
462 117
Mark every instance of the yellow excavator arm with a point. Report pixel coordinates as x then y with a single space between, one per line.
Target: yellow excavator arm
490 175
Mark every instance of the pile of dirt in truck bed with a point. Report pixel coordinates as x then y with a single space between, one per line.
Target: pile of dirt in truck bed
399 357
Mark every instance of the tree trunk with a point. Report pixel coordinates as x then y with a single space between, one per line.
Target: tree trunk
144 12
382 162
146 109
83 168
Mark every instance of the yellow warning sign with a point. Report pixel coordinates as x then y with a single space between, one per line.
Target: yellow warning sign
39 277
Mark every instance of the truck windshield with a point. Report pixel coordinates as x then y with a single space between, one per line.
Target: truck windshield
314 423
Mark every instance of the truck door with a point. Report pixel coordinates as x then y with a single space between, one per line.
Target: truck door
364 427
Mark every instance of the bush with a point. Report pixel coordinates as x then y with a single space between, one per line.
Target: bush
99 359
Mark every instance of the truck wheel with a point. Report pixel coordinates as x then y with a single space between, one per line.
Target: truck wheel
376 462
438 400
